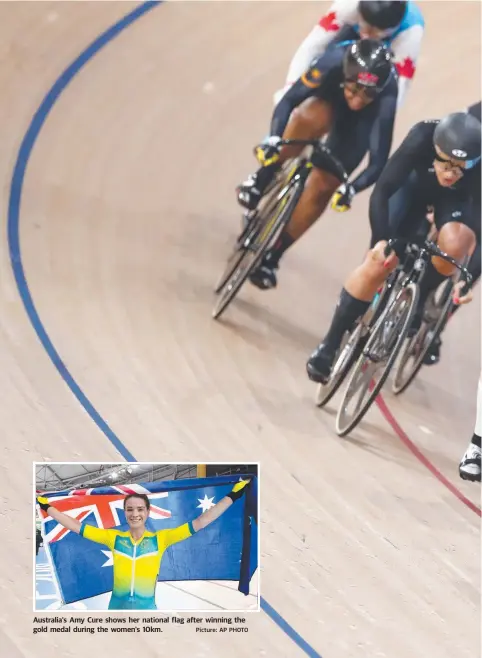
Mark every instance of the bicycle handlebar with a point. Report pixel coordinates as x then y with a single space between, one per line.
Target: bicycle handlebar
322 151
434 250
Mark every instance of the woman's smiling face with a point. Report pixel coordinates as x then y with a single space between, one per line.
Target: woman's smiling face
136 512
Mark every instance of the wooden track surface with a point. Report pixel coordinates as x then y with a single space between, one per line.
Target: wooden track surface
126 214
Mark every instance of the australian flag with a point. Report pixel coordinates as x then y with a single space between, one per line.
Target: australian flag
227 549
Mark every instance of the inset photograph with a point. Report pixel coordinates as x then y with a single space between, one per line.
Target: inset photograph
146 536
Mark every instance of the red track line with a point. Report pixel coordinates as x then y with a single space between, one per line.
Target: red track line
421 457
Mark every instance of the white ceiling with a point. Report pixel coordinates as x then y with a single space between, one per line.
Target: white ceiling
53 476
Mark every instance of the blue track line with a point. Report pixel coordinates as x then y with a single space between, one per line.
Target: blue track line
13 229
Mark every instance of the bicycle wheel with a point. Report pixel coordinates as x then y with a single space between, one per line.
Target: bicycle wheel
265 208
344 360
352 345
263 236
374 365
436 314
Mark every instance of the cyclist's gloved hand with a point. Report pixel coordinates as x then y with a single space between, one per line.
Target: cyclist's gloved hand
341 200
43 502
238 490
462 294
268 152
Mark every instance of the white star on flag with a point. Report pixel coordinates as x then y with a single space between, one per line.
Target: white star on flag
206 503
110 559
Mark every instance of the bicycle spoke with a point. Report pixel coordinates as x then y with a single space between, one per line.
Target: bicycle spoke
373 366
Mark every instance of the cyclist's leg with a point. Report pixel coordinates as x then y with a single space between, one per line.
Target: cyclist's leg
459 240
470 465
456 238
311 120
433 353
362 284
348 140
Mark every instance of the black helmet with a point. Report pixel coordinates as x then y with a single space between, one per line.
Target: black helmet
368 62
383 15
458 135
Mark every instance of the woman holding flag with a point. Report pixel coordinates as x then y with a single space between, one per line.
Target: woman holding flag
137 552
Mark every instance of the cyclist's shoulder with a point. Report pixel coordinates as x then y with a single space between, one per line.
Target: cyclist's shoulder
340 12
474 110
421 133
413 17
332 57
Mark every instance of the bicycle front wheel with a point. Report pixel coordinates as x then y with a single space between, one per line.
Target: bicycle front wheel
341 367
266 207
267 232
415 349
379 355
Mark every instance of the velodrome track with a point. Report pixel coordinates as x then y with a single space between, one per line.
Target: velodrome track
118 188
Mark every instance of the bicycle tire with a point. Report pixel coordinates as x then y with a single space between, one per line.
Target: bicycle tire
399 385
413 291
268 232
267 206
357 338
347 351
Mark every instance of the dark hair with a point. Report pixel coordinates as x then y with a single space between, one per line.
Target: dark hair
141 496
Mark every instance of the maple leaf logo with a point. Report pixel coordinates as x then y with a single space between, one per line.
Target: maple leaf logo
329 23
406 69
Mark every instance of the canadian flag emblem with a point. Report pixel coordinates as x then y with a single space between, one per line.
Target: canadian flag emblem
329 23
406 69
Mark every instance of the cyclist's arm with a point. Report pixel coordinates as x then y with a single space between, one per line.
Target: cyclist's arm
393 176
238 490
380 139
304 88
406 50
315 44
212 514
64 519
98 535
186 530
174 535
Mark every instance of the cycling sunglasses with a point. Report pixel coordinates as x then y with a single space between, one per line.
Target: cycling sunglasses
356 88
456 166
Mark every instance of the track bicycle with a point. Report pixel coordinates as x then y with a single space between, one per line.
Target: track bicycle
388 335
263 226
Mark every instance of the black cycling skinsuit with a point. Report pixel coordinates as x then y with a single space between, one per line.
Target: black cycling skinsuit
354 132
408 184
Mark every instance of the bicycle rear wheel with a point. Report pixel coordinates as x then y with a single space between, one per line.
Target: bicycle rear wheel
414 350
374 365
265 233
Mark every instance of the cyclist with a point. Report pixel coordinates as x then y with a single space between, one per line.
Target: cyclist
438 165
433 354
137 552
400 24
349 94
469 467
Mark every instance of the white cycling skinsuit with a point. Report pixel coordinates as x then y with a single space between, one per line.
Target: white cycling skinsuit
405 42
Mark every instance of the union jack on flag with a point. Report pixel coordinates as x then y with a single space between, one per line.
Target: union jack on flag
105 504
